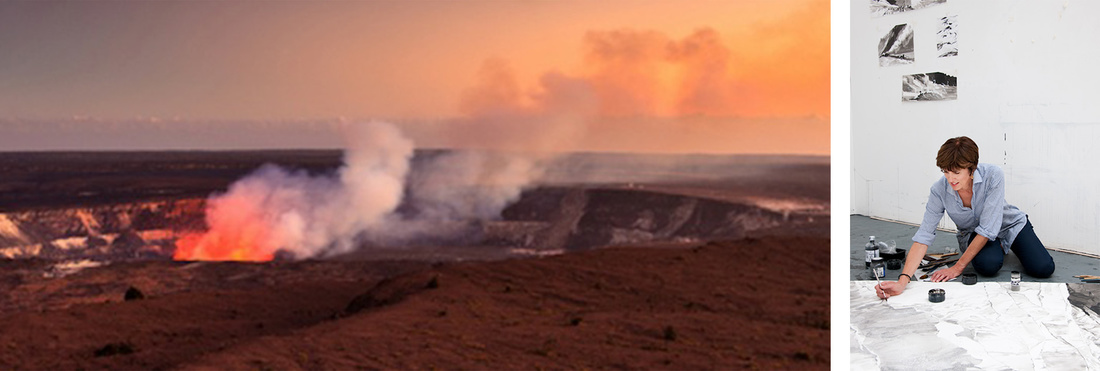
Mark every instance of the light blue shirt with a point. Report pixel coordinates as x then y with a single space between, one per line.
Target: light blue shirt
989 215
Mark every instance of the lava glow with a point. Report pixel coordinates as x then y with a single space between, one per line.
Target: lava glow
241 245
303 215
238 230
246 242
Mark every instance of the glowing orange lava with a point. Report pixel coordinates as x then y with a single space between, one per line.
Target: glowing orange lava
233 245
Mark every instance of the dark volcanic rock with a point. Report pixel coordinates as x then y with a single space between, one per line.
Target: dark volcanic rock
537 204
133 294
114 349
127 243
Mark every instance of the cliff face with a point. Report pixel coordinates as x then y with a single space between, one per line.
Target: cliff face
545 220
585 218
109 232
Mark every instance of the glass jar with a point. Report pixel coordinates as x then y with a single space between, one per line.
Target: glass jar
878 268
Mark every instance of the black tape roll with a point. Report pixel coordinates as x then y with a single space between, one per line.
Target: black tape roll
970 278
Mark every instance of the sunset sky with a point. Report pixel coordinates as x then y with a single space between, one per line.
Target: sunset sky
637 76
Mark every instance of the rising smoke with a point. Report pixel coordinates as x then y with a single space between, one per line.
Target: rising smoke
295 214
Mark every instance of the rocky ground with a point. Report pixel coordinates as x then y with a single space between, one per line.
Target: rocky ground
717 305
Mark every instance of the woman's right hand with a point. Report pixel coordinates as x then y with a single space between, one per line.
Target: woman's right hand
889 288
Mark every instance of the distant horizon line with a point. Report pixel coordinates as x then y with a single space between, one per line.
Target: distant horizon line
418 149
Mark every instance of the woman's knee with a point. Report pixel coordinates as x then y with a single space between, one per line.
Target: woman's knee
1044 270
989 260
1033 255
987 267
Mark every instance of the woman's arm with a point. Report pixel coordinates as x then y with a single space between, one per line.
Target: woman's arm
912 261
933 212
972 250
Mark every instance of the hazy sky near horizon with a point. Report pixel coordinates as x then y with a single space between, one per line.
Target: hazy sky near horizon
642 76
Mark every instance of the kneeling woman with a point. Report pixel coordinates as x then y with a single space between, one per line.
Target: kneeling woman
973 195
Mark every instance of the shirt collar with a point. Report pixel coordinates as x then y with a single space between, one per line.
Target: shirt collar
977 175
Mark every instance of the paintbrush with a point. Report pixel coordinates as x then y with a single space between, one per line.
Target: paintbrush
933 266
926 275
879 285
941 256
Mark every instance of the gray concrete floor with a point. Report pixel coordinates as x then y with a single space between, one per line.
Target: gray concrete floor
1066 265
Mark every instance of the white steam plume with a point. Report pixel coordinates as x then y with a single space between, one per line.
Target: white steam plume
452 193
274 209
477 184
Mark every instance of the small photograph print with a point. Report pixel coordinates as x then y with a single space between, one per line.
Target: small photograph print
884 7
929 86
896 47
947 37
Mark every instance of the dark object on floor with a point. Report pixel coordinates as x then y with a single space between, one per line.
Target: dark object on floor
969 278
899 254
133 293
937 295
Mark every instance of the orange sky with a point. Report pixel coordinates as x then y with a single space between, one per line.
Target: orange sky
698 76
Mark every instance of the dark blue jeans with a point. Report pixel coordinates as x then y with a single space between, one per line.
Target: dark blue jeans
1033 255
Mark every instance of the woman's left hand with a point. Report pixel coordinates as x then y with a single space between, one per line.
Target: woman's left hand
946 274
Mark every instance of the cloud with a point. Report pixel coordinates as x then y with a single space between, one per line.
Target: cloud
646 91
705 86
638 90
624 66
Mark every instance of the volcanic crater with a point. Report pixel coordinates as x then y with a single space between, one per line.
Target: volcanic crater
669 262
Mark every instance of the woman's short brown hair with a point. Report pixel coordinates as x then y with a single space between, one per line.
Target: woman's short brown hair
958 153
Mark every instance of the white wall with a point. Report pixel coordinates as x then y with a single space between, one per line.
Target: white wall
1028 93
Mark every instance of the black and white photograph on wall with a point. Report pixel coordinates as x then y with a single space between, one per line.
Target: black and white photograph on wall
884 7
929 86
947 37
896 47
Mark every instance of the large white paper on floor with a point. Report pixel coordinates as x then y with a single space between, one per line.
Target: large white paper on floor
982 326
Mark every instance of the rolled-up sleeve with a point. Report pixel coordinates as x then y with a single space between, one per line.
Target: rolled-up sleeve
933 212
993 206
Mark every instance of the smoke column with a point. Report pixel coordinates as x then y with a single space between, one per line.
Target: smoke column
450 196
277 210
